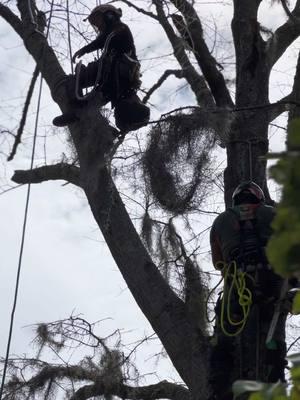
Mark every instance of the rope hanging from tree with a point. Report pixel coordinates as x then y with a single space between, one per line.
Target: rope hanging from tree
69 36
24 220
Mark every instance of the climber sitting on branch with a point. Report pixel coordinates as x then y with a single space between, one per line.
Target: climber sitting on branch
115 74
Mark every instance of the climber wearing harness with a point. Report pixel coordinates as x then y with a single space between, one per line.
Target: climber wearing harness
115 75
238 239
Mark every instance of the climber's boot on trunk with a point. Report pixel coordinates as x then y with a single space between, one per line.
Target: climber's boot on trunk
65 119
69 117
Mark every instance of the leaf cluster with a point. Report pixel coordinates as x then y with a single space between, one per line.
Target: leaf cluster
284 246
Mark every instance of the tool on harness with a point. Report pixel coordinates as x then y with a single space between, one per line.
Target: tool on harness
277 312
250 255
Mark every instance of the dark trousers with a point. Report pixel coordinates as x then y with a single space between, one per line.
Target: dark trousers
246 355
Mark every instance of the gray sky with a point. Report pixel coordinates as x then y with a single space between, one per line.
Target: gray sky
67 267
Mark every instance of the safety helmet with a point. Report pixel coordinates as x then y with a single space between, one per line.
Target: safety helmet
248 188
101 10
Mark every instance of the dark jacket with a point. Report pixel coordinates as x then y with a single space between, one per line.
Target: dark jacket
120 41
225 234
120 69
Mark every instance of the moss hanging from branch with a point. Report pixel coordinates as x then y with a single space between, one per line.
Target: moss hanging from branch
177 163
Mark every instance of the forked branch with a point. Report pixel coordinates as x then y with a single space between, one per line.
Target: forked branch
195 80
284 36
178 73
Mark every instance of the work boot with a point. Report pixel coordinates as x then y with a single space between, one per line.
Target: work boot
69 117
65 119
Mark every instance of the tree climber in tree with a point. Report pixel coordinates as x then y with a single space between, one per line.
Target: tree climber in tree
115 75
238 239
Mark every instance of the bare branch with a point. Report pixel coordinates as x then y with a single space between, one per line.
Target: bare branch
283 105
176 72
24 114
140 10
60 372
288 12
61 171
192 26
283 37
161 390
196 81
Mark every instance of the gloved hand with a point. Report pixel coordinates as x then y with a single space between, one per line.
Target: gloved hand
79 53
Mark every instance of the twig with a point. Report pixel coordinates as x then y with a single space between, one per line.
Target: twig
176 72
140 10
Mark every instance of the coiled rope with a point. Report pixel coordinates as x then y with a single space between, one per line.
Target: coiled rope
234 285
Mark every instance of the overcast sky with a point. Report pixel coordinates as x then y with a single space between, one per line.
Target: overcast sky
67 267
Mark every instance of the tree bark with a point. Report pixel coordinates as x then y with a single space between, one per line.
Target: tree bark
248 143
185 342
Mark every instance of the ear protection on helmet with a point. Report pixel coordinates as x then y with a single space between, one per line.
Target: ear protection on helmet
110 17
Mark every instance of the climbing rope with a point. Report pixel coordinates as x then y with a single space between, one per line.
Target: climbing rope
69 36
98 76
234 284
16 291
250 143
250 160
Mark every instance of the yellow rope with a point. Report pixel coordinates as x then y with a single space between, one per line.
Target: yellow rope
237 282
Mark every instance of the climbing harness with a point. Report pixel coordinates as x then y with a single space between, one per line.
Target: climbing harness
99 72
234 284
98 76
5 364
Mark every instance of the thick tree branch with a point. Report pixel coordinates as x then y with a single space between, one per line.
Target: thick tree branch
161 390
100 386
12 19
196 81
59 372
291 102
26 11
206 61
61 171
24 114
288 12
163 309
295 95
38 47
176 72
283 37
